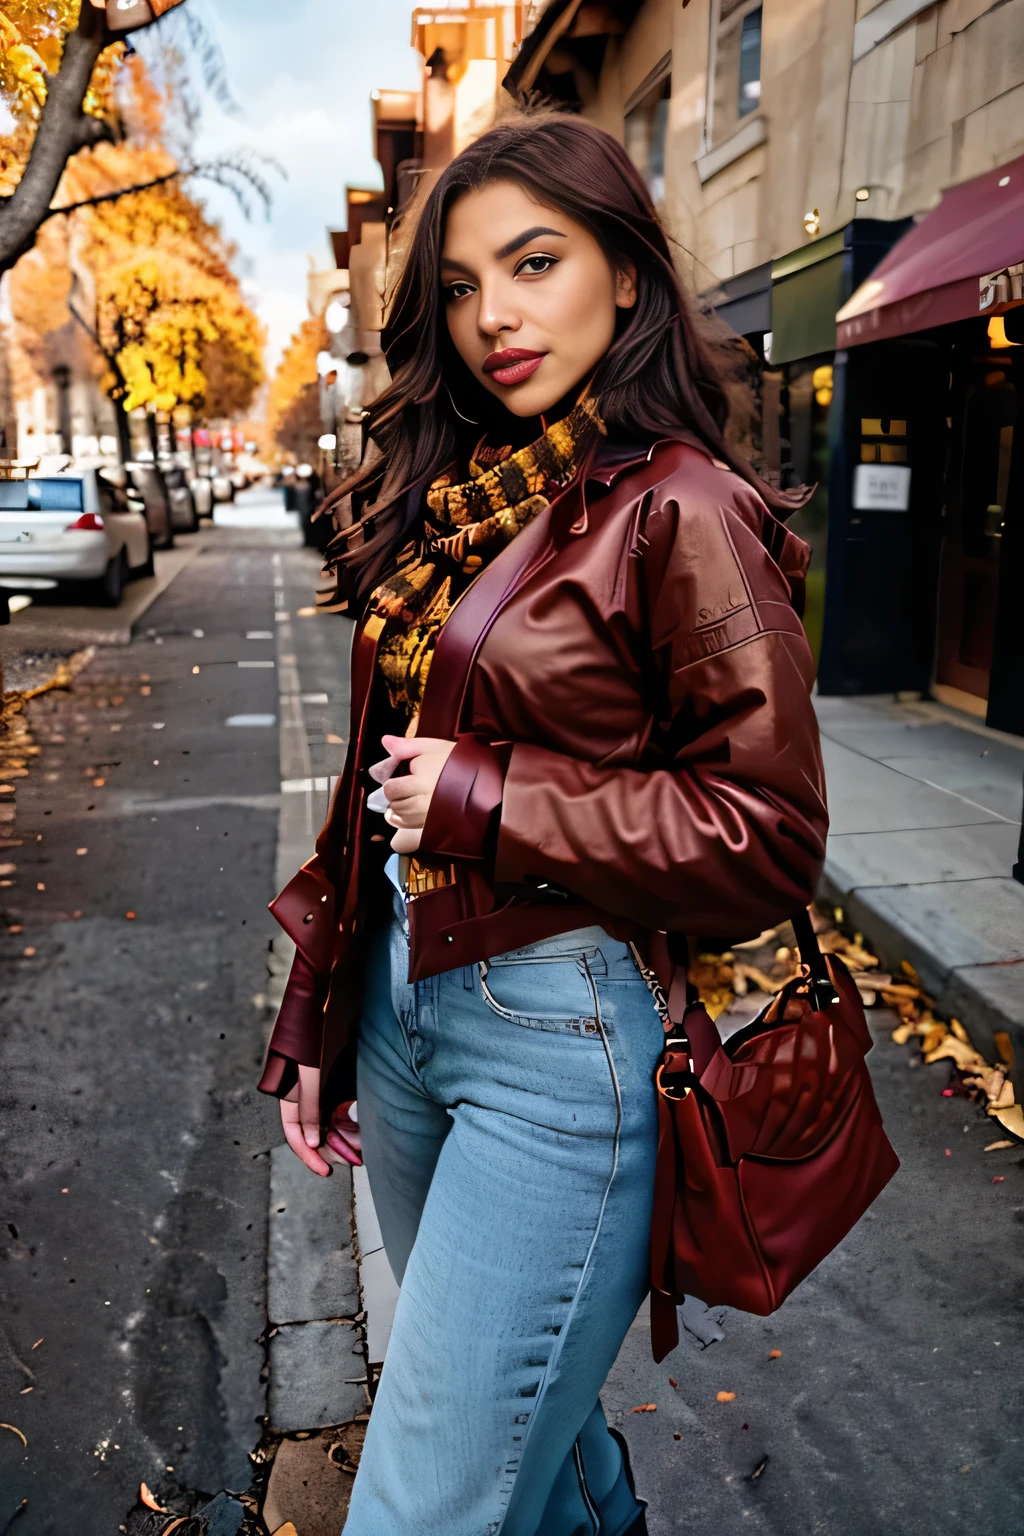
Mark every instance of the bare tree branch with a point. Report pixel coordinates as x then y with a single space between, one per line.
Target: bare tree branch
227 172
112 197
91 130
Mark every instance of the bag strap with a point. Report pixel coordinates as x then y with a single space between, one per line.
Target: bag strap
674 999
823 988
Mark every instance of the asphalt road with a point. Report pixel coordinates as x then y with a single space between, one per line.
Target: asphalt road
133 1148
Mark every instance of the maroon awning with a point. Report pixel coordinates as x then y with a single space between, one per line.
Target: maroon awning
956 263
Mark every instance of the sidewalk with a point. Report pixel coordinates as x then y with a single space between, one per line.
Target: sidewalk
925 810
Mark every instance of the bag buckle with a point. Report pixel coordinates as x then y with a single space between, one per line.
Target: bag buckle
671 1085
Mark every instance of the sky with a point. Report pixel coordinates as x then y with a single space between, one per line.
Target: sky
301 72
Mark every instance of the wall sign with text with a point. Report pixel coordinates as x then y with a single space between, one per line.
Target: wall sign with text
881 487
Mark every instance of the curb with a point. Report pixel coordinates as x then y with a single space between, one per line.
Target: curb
916 923
320 1281
922 843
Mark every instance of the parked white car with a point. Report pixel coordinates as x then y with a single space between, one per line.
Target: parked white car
75 528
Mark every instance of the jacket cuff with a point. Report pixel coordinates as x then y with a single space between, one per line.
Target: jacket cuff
297 1038
465 807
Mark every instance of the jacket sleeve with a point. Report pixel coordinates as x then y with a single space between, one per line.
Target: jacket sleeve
462 818
305 910
727 834
296 1040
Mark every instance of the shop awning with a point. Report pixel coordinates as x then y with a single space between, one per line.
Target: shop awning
965 258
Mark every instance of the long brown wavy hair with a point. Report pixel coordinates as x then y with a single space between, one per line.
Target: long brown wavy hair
658 378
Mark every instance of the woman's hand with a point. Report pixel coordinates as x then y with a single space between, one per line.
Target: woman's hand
408 797
300 1119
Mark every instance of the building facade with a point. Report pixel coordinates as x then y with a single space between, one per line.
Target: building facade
467 49
794 148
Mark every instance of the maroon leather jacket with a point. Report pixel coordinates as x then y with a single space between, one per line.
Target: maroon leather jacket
628 685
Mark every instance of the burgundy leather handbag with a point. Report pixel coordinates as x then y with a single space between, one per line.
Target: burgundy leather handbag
770 1145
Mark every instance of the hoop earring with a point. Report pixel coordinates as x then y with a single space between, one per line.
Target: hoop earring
468 419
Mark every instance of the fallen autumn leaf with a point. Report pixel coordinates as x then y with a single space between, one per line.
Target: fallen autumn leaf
145 1497
1011 1118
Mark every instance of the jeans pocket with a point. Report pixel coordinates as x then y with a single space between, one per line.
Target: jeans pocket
553 993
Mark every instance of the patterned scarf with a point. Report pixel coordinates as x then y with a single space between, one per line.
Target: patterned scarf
464 528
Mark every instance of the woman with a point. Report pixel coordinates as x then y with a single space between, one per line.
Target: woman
580 683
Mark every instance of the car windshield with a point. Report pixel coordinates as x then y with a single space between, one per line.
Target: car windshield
44 495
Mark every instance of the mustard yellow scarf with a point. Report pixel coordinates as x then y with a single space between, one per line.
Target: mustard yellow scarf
464 528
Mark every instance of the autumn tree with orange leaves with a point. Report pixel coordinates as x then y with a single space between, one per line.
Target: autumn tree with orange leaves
170 317
293 399
147 277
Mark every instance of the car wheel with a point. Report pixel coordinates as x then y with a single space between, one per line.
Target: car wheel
146 568
111 584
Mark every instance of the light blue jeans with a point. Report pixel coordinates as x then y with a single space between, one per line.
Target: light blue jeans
509 1132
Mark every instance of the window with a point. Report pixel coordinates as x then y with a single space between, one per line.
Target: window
750 63
734 66
46 495
645 128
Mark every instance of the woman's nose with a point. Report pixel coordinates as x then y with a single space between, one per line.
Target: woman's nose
497 313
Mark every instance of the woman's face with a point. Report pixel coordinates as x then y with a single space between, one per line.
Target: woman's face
530 296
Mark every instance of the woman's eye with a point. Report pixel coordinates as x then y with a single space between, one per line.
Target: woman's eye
458 290
533 266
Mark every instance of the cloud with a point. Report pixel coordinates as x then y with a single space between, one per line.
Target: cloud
301 73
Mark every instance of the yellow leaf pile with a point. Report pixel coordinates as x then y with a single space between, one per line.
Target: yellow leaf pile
720 979
988 1085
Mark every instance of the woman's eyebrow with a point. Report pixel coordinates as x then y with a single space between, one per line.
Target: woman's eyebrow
525 237
506 250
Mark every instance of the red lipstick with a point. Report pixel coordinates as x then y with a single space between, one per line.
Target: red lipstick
513 364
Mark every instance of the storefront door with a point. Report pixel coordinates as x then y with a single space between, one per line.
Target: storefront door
985 411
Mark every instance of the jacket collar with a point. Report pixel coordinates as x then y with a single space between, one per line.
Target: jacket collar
616 456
